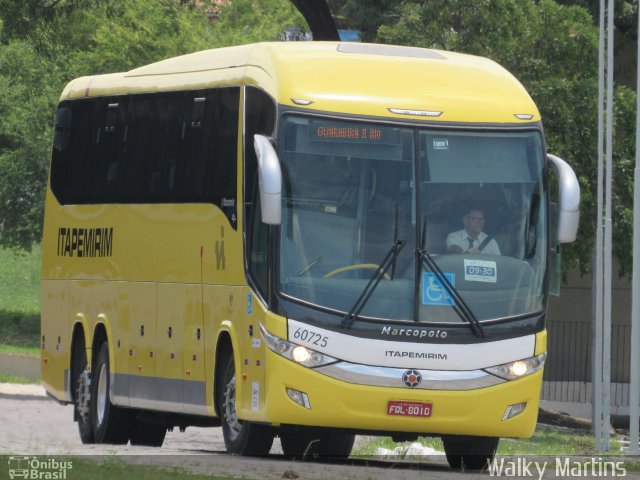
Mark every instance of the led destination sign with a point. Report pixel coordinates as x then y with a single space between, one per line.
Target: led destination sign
325 131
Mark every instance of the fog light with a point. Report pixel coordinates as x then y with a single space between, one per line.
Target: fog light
513 410
300 398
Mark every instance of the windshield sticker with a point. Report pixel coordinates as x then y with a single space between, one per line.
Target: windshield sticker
433 292
480 271
440 144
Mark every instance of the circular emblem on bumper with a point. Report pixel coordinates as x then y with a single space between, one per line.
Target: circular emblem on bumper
412 378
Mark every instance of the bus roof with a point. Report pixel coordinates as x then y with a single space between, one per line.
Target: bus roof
346 78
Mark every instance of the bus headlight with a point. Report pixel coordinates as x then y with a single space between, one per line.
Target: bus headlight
292 351
519 368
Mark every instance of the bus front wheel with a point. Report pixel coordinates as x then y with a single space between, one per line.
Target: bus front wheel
240 437
110 423
469 453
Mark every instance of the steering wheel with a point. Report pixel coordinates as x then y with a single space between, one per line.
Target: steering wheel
356 266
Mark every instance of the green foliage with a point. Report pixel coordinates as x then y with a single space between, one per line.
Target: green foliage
45 44
551 47
238 23
19 329
27 102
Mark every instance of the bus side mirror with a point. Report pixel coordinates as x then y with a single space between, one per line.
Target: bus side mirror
568 200
270 180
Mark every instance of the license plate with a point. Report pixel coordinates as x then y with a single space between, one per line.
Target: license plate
409 409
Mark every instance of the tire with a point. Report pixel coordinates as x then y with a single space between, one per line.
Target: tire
469 453
81 390
111 424
240 437
311 443
148 434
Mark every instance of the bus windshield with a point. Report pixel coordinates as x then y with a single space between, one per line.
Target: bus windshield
471 200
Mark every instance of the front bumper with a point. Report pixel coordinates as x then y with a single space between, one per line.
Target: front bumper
340 403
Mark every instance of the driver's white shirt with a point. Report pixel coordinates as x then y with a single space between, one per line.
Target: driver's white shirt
461 239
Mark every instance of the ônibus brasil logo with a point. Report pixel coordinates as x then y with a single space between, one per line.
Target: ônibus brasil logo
34 468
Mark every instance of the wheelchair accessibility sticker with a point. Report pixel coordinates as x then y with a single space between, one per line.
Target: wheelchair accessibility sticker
433 292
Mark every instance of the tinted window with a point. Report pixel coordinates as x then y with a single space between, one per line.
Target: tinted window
172 147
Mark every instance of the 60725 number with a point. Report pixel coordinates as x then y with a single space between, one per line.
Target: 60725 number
310 337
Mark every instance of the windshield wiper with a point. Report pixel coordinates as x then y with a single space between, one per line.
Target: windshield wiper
372 284
461 307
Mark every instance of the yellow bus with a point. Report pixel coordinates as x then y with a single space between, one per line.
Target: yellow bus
263 238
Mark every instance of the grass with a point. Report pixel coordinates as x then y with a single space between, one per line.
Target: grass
21 349
8 378
547 441
82 469
20 281
20 301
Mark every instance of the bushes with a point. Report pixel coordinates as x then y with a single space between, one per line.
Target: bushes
19 328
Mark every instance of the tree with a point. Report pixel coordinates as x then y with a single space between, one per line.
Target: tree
44 44
319 19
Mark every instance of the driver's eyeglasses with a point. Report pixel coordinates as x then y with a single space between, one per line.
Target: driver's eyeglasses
476 219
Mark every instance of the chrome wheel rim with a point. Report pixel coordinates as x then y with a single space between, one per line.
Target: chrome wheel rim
83 396
229 411
102 394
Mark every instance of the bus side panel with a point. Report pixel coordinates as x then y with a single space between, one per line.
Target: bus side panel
55 323
137 310
252 400
188 299
170 335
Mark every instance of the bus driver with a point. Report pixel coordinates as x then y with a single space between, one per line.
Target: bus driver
471 239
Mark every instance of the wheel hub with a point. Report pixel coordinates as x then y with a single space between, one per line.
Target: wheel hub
229 412
84 395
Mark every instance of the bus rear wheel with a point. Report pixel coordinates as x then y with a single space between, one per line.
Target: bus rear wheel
81 390
316 443
240 437
111 424
148 434
469 453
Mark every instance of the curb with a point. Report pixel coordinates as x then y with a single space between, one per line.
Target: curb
25 391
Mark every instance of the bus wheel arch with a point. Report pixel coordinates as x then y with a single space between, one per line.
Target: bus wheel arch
240 437
224 348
